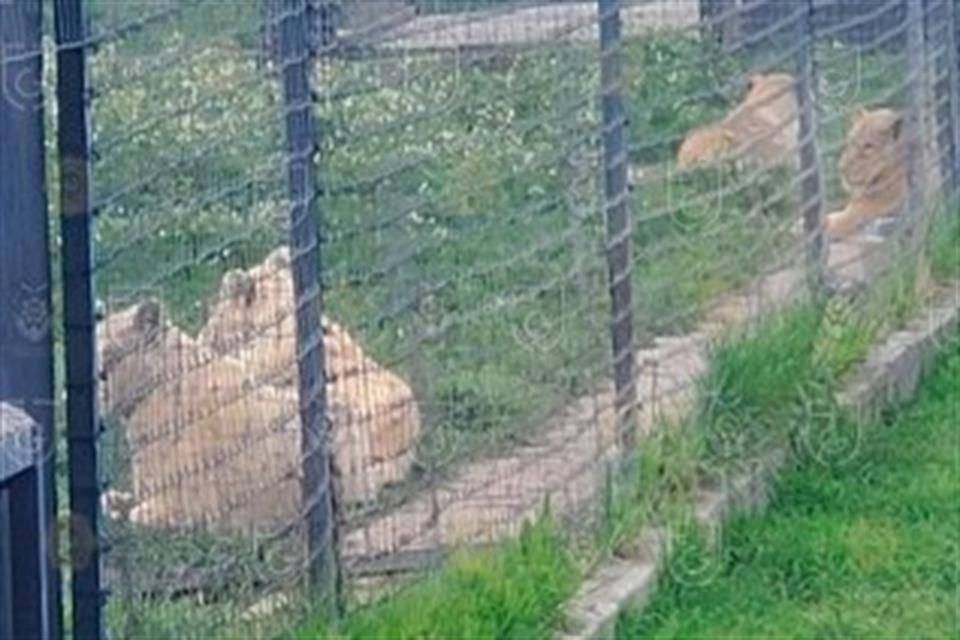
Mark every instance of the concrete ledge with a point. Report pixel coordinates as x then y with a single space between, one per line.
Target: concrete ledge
889 375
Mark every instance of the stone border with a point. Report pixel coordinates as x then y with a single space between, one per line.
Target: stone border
889 375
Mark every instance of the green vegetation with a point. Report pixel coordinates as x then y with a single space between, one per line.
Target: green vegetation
945 241
860 546
514 591
755 395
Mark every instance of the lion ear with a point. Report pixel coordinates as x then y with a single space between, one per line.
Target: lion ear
239 286
148 315
896 127
860 113
279 259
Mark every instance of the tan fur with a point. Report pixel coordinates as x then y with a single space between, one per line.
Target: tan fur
762 130
376 419
873 171
213 422
253 319
209 449
138 349
210 452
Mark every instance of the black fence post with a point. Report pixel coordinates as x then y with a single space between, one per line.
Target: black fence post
318 497
617 216
951 67
26 341
916 104
811 182
718 22
79 322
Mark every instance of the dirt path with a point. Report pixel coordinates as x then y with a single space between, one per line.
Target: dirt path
532 25
488 499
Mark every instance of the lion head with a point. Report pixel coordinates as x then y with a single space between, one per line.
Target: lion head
138 348
873 158
253 318
775 91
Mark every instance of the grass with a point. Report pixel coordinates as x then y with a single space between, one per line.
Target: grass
945 242
748 400
514 591
863 546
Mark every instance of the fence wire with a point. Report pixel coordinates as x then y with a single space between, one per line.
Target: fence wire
471 272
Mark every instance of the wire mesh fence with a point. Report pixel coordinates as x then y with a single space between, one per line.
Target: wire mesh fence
380 279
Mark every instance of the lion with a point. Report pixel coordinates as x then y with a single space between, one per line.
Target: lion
872 171
762 130
138 349
376 420
253 319
209 448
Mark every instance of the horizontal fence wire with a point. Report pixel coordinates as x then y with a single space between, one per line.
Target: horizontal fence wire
476 247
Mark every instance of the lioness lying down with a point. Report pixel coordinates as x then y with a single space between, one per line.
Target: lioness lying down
376 418
872 170
762 130
213 423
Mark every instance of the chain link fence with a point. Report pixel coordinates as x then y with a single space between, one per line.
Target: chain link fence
378 279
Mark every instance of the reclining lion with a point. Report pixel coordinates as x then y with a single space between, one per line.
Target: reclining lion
762 130
873 171
209 449
376 418
213 423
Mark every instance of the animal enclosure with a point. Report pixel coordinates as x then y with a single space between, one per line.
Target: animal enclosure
375 285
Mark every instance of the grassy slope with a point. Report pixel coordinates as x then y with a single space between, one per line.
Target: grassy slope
866 549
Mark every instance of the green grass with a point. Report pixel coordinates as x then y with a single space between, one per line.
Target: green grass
864 546
945 242
756 379
513 591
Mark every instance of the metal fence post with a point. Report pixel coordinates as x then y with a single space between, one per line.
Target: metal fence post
322 565
26 341
952 56
717 22
916 143
811 182
79 323
618 224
